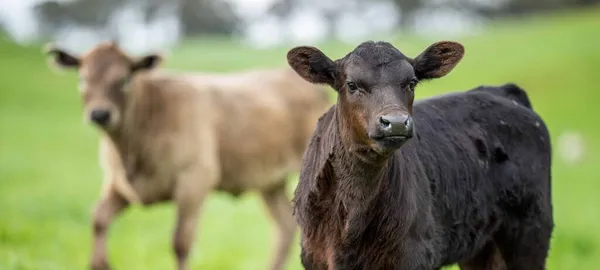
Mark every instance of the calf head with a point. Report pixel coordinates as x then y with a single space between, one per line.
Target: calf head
104 74
375 84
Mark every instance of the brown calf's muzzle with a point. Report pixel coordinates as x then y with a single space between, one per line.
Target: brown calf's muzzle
100 116
103 114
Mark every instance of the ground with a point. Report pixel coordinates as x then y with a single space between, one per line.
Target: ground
50 178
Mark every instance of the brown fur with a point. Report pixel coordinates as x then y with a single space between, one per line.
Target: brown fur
177 136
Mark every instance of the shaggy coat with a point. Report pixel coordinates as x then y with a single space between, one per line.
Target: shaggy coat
472 187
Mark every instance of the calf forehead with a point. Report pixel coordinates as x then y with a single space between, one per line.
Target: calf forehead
378 61
393 72
104 63
376 53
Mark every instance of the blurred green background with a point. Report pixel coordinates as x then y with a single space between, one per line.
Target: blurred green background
50 178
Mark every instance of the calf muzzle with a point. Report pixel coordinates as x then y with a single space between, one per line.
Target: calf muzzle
100 117
400 125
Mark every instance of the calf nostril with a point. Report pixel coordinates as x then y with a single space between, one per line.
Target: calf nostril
408 126
386 123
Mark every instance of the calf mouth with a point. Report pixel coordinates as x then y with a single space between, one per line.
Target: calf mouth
388 144
102 118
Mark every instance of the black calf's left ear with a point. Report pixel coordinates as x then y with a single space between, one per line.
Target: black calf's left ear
438 60
147 62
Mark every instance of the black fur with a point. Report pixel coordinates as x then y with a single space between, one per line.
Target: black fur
473 185
510 91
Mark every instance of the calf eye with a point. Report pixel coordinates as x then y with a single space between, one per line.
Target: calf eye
352 86
123 82
412 84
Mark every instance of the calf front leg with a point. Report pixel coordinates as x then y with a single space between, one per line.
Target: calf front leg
185 230
107 209
280 208
191 191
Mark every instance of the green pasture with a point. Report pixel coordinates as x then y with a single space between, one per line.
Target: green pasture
50 178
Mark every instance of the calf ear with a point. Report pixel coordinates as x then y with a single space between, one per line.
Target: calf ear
438 60
312 65
60 57
147 62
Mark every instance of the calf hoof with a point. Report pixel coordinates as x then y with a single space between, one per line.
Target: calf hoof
100 266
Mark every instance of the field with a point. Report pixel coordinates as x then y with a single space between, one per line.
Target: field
50 178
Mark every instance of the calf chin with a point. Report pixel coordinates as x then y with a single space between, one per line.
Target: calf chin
388 145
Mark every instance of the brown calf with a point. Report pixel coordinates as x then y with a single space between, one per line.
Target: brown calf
179 136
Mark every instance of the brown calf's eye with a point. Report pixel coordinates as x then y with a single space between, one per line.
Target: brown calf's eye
352 86
123 82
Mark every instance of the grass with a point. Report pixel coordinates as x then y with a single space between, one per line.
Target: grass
49 177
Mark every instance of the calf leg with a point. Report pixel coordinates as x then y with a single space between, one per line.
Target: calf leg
192 188
280 209
107 209
524 244
185 230
489 258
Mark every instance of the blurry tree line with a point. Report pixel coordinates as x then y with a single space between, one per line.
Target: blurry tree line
196 16
218 16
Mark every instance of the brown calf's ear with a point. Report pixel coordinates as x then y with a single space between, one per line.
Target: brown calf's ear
60 57
312 65
438 60
147 62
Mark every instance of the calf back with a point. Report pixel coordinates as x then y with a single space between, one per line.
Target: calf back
264 120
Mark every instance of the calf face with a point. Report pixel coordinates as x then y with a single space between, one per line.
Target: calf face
375 84
104 73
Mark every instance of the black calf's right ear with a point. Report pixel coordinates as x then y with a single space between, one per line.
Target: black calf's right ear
312 65
61 58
